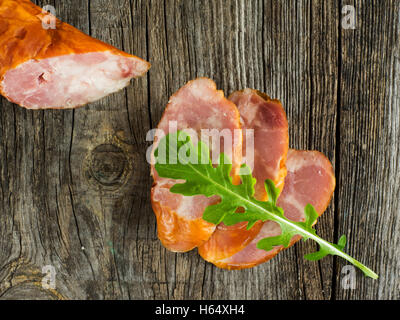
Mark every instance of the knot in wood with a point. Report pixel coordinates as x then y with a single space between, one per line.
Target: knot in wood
108 166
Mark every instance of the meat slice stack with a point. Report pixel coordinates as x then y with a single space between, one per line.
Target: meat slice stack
43 68
303 176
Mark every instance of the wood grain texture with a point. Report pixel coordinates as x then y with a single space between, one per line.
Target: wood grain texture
74 185
369 147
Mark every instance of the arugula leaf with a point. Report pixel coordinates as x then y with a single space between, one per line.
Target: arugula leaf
272 191
177 158
323 251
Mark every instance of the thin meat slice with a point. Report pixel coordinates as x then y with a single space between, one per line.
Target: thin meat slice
195 107
57 68
271 142
310 179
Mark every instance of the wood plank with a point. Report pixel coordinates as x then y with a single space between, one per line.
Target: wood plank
369 148
79 178
316 277
121 120
36 204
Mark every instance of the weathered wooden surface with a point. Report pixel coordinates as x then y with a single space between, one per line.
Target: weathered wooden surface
74 185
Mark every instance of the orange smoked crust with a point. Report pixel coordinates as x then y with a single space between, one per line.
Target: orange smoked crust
228 243
273 254
173 230
23 38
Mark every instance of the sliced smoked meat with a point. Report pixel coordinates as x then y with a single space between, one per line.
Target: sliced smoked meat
271 142
267 118
57 68
310 179
196 106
